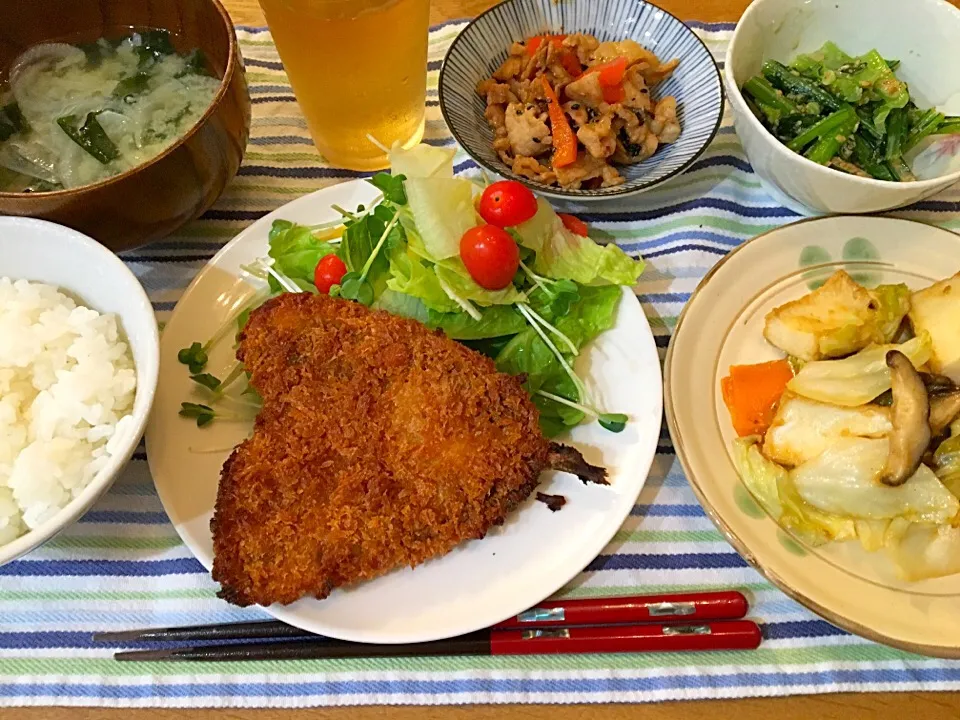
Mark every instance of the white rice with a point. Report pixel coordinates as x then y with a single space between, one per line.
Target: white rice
67 385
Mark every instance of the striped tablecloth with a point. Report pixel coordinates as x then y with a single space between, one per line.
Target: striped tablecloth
123 565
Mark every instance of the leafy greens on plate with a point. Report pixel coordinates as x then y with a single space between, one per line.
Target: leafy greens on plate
404 255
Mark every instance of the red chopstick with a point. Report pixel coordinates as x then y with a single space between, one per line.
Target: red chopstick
683 607
729 635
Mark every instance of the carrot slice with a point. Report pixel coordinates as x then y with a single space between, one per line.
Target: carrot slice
534 43
564 139
751 394
611 73
571 63
614 94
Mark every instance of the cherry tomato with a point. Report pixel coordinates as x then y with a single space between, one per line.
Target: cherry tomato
490 255
506 203
330 270
574 225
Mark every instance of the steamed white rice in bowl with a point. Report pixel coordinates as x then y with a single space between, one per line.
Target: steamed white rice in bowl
79 357
67 383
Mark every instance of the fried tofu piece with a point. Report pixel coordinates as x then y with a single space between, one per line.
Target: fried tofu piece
936 310
380 445
839 318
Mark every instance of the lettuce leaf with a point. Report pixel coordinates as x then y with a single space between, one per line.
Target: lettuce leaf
497 321
454 273
411 275
295 250
568 256
443 211
422 161
538 230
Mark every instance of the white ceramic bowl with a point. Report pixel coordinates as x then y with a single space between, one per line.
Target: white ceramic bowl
923 34
45 252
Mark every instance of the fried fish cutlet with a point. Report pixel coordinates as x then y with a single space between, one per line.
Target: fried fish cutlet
380 445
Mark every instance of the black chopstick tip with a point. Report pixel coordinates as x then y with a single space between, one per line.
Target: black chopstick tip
145 655
115 636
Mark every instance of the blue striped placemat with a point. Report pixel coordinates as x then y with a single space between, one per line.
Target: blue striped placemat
123 565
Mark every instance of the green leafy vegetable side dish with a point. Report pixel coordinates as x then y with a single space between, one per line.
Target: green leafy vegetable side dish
849 113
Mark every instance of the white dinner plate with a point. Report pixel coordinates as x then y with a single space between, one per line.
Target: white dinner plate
534 554
722 325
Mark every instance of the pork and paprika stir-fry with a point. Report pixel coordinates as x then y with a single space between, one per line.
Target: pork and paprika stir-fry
566 109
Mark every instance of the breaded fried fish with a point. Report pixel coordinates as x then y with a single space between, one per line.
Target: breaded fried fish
380 445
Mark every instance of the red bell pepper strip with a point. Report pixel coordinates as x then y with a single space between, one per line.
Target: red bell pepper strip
564 139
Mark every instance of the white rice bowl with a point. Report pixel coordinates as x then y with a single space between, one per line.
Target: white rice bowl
67 387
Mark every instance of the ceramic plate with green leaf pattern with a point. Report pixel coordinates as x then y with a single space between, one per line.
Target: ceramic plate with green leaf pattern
722 325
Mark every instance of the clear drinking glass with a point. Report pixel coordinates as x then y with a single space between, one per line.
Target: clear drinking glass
358 69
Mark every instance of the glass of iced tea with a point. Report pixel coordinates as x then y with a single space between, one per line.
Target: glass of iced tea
359 71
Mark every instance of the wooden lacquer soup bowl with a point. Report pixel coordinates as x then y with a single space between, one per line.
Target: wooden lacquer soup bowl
152 200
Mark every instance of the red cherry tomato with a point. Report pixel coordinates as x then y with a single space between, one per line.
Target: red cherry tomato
330 270
507 203
574 225
490 255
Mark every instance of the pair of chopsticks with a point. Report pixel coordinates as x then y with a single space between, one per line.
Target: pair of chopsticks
654 623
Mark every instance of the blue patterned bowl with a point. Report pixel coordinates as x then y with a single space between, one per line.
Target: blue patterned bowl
485 42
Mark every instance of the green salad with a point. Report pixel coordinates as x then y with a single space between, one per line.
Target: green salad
408 254
849 113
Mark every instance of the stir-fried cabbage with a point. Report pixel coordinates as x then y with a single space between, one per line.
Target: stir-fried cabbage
947 463
858 379
926 551
872 533
803 428
844 481
772 487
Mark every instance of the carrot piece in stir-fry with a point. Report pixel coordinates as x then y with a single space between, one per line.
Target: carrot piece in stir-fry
751 394
564 139
534 43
